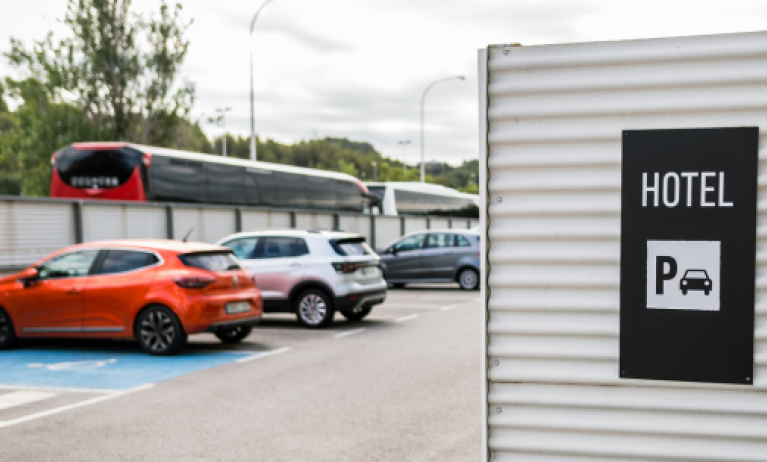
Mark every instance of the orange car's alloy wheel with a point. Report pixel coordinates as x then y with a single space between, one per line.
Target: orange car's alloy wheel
159 332
6 330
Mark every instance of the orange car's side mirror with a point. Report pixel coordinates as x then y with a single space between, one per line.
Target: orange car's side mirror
28 276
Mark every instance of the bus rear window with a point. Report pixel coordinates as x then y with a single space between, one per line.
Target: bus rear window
97 169
211 261
351 247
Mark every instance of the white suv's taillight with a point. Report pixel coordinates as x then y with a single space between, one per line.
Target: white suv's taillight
350 267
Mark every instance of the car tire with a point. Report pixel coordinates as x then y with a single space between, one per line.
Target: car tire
159 332
234 334
706 292
398 285
468 278
684 292
314 309
7 335
357 315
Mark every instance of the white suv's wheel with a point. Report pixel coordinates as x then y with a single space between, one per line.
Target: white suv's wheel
314 309
468 279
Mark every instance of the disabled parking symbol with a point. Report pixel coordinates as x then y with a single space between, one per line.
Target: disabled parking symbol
73 365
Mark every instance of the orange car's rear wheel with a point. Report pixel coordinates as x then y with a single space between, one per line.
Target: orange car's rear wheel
7 336
159 331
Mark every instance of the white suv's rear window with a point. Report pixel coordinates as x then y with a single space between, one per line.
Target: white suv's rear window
351 247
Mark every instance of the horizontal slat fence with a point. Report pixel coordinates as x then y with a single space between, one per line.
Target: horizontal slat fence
31 228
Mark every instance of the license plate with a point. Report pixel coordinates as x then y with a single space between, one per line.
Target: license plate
237 307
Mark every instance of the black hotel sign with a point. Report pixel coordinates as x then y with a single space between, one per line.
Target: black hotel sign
688 250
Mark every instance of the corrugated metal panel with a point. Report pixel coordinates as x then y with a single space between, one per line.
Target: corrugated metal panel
387 230
414 224
30 231
253 220
217 223
314 221
207 225
555 116
110 221
359 224
439 223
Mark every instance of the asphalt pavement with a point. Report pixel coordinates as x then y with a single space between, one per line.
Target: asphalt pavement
402 385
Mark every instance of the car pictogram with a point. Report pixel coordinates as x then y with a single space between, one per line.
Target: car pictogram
695 279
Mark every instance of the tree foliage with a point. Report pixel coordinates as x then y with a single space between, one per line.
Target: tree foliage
118 67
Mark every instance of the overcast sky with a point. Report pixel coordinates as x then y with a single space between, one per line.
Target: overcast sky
357 68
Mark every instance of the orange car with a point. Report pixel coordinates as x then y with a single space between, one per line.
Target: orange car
157 291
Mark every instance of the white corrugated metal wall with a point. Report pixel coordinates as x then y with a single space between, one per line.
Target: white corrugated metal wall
554 117
110 221
359 224
414 224
30 231
314 221
206 224
256 220
387 230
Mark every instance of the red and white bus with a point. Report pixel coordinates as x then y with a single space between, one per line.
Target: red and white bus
132 172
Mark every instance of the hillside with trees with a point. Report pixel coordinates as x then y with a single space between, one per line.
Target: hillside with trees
115 77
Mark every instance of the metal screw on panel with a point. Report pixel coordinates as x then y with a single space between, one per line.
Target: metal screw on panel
496 363
500 199
498 410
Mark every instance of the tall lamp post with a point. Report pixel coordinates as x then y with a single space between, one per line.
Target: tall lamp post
404 144
252 111
423 97
220 121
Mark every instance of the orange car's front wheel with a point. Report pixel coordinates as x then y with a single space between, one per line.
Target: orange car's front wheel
7 336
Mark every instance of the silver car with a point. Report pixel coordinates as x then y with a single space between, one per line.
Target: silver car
312 273
447 255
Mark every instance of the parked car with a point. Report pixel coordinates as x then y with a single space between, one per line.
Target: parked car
447 255
312 273
157 291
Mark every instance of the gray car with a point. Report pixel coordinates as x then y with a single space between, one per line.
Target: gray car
439 255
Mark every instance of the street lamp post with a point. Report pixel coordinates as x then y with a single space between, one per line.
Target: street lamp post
220 121
252 111
423 97
404 156
375 171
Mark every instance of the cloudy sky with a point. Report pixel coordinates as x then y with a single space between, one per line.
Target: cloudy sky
357 68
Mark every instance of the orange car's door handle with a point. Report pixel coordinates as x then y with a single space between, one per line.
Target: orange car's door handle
74 291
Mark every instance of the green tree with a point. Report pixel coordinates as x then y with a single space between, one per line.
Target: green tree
117 67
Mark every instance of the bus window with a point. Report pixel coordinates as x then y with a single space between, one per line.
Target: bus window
177 180
290 189
320 192
225 183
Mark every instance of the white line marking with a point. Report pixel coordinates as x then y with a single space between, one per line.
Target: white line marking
18 398
348 333
68 407
57 390
264 354
406 318
448 307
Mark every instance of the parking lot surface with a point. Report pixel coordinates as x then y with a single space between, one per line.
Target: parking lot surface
403 384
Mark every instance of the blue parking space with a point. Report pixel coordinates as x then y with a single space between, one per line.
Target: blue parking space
102 370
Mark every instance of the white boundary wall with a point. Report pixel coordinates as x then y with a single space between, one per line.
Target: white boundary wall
32 228
552 118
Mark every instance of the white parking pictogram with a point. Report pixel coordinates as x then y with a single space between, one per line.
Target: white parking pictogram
74 366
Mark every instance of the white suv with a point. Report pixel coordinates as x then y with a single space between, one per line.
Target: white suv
312 273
